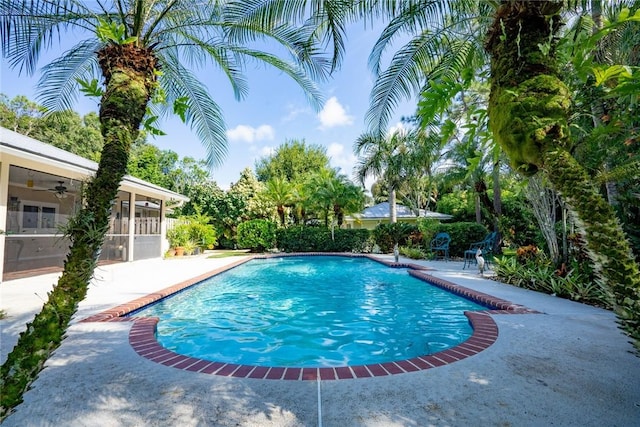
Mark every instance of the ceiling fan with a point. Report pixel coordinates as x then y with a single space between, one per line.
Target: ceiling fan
60 191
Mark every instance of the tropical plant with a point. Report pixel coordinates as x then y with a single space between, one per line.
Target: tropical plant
336 193
411 252
393 157
142 50
178 235
281 193
386 236
529 110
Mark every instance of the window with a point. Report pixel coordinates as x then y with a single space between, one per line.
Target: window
38 217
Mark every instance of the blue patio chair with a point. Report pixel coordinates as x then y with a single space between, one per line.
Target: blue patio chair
440 244
485 245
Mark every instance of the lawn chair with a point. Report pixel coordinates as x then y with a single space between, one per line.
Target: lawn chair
485 245
440 244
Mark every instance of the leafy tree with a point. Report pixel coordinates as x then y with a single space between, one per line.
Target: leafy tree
292 161
65 129
251 191
144 163
225 209
141 50
20 114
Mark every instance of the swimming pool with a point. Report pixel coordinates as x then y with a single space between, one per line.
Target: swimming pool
311 312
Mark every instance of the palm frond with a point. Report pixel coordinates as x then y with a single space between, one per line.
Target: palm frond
194 51
58 84
314 96
27 27
404 77
326 23
297 42
203 114
439 16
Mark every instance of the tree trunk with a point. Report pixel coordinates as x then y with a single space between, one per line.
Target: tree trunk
281 214
529 108
130 81
392 206
608 246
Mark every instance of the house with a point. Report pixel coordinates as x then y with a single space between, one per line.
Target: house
378 214
41 187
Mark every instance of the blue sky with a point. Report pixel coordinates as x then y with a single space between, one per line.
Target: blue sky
274 111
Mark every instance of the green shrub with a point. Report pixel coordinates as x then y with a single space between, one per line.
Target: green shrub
257 235
429 228
318 239
412 252
178 235
462 234
299 238
349 240
204 235
387 235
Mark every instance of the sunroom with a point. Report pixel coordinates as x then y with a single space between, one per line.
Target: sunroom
41 187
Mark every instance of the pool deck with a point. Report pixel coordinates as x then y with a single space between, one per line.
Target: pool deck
568 365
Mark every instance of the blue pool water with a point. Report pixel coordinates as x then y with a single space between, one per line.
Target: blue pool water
313 311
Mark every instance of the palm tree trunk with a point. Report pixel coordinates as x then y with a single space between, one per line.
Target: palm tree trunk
528 109
130 81
608 246
393 217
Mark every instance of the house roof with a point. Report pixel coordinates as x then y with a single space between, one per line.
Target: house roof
24 147
381 210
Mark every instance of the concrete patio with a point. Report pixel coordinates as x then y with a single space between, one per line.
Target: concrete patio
568 366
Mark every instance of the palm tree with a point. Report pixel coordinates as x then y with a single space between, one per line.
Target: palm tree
521 43
337 192
382 157
529 110
142 50
281 193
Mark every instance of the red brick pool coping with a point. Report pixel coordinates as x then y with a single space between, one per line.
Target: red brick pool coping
142 335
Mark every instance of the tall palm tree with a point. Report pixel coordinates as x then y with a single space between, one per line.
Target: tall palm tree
529 110
392 158
142 51
522 36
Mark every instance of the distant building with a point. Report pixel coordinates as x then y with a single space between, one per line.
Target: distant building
378 214
41 187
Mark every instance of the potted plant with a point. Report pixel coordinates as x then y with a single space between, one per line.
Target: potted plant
178 237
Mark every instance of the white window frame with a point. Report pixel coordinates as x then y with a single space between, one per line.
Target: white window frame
39 229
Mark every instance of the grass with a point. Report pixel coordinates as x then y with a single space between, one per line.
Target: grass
224 253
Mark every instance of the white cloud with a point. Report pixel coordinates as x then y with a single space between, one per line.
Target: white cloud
340 158
264 132
333 114
251 134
